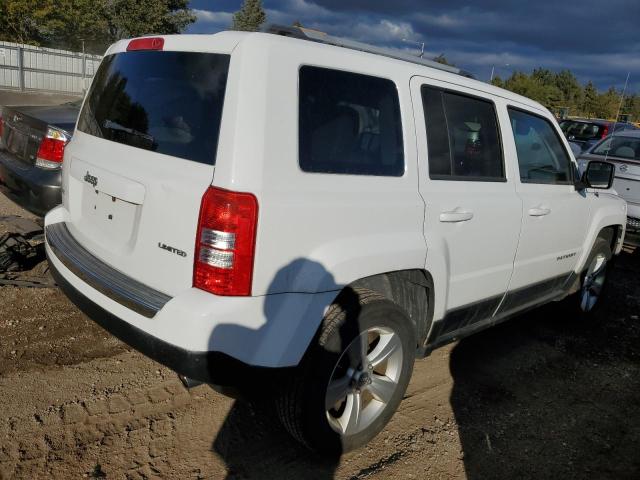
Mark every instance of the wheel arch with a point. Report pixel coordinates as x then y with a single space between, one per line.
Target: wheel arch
412 290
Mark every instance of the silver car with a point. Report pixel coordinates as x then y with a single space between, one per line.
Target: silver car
623 150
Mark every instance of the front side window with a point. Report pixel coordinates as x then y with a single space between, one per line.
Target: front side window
349 124
541 156
462 137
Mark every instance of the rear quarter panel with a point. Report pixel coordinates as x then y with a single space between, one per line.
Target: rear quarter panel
316 232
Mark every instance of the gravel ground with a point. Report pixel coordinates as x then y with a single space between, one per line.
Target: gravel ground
543 396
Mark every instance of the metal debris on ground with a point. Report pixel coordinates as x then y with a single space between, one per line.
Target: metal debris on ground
22 257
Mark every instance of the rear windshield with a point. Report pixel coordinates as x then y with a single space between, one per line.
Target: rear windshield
166 102
581 130
623 147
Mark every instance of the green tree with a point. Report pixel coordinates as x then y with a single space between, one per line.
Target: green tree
132 19
497 81
570 89
608 104
66 23
250 17
27 21
590 102
631 107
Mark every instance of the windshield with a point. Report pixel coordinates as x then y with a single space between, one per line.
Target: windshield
623 147
166 102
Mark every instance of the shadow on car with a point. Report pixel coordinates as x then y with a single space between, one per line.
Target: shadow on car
252 441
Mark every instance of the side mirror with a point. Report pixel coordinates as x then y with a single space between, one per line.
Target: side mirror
598 175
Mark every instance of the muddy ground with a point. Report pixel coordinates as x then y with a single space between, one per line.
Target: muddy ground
543 396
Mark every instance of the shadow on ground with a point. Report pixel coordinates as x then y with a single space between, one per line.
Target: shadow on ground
254 445
548 396
252 442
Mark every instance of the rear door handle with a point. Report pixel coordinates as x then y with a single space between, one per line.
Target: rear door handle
539 211
455 216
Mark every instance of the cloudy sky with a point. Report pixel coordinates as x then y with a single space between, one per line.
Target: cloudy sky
598 40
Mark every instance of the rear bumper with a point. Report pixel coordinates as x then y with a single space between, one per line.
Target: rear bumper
193 329
209 367
34 189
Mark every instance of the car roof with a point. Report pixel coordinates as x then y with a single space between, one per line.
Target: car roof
627 133
228 41
596 121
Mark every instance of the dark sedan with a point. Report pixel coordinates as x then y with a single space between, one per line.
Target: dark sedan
586 133
32 141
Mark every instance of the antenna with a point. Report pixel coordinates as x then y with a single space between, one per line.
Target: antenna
308 34
624 91
420 44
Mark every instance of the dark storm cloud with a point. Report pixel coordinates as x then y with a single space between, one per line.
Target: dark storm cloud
595 39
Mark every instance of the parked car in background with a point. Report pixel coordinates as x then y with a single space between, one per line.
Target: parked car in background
32 142
623 150
586 133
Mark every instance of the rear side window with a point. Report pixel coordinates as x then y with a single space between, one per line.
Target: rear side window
462 136
349 123
166 102
541 156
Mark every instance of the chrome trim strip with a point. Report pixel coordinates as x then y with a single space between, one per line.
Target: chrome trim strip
97 274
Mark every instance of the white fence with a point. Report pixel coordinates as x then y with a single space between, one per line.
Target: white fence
25 67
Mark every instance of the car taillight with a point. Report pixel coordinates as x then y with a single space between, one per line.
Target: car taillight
147 43
225 242
605 131
51 149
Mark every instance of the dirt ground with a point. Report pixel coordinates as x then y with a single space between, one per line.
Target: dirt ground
543 396
15 97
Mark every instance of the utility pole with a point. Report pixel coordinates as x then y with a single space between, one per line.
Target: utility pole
84 68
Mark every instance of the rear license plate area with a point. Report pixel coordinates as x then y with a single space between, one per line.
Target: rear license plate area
17 142
113 217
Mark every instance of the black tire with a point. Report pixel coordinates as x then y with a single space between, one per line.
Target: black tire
301 399
602 248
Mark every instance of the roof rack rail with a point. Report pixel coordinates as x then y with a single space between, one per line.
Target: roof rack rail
321 37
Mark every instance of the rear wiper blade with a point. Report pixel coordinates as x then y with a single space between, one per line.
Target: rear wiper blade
149 141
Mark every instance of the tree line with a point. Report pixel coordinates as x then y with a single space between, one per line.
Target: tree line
560 91
95 24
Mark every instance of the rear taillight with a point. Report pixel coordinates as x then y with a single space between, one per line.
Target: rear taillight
225 242
605 131
51 149
146 43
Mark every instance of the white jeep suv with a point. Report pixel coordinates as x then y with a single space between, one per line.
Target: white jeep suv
318 215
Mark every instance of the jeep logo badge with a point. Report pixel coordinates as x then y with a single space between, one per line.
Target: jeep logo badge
91 180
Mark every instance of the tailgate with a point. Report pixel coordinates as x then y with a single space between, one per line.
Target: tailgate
142 158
